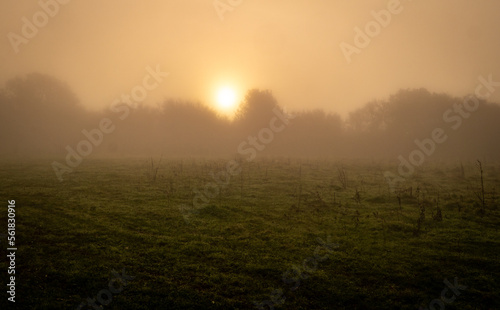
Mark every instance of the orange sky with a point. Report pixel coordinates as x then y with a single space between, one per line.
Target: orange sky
101 48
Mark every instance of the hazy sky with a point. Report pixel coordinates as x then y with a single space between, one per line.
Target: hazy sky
101 48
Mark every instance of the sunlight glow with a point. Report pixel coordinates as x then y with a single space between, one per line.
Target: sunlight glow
226 98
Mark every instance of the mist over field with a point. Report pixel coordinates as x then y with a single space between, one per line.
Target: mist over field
235 154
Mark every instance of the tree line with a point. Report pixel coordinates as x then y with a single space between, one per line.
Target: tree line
41 116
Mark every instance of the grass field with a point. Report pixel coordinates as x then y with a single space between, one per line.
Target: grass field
261 239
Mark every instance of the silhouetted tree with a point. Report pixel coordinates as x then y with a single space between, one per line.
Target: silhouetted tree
45 110
256 110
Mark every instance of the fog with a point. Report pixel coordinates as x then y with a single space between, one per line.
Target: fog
220 154
40 116
348 79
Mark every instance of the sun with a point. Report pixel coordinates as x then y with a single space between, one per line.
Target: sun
226 99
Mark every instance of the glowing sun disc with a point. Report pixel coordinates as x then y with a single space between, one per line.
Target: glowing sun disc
226 98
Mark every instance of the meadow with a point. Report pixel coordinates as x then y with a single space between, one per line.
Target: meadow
284 233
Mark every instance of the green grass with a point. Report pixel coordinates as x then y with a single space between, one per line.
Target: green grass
109 215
